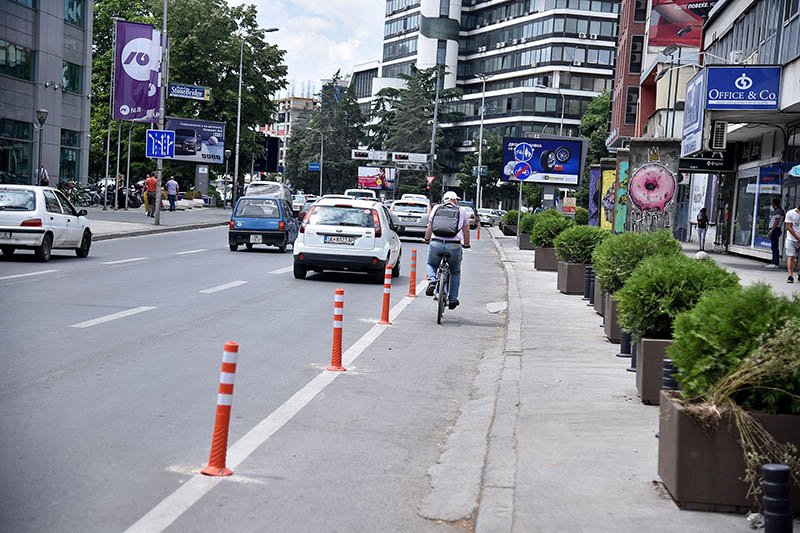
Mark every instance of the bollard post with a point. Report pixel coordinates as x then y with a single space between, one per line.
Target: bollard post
587 281
632 368
338 318
591 289
387 291
479 232
777 486
624 345
668 381
603 311
412 284
219 443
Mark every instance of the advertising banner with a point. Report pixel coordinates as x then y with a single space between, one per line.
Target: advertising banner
595 184
199 141
697 201
668 17
608 199
137 69
551 161
379 178
692 137
742 87
623 179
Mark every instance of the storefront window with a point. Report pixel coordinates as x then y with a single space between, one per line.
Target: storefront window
769 187
16 151
745 201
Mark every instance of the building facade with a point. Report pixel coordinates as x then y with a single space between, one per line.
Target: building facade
45 64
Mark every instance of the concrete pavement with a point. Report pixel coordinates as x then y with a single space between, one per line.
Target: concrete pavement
115 224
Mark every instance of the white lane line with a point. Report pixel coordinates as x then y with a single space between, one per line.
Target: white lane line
191 252
282 270
222 287
39 273
173 506
112 316
124 261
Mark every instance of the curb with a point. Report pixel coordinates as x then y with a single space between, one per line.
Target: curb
157 229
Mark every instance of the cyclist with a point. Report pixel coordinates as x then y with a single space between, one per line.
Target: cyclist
447 226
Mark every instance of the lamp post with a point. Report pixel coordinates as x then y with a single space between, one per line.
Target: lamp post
41 117
478 195
239 120
321 155
225 181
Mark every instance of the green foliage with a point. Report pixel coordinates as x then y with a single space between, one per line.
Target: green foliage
581 216
526 223
661 287
510 217
617 257
547 226
576 244
722 331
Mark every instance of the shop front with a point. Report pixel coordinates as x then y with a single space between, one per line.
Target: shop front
755 189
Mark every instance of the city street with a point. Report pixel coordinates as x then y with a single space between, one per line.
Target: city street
111 369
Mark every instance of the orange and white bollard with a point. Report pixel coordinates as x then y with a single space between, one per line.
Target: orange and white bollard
387 291
219 444
412 285
338 317
479 232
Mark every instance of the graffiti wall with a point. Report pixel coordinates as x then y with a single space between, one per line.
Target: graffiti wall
595 183
608 193
623 177
652 184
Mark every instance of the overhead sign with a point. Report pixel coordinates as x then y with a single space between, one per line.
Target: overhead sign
405 157
190 92
550 160
160 144
740 87
313 167
693 116
706 162
371 155
199 141
380 178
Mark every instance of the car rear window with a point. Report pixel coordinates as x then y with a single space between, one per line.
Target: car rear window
410 208
266 189
257 208
15 200
334 215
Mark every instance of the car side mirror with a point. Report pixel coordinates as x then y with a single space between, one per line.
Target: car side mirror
83 213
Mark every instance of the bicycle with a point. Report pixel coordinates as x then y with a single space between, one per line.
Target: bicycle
442 293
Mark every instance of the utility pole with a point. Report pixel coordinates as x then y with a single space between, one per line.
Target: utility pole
161 109
435 123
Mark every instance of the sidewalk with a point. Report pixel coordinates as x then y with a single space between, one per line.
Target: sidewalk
114 224
585 447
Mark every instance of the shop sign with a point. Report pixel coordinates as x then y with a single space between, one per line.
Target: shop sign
710 161
692 137
742 87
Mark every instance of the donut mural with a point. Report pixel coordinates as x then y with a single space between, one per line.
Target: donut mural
651 188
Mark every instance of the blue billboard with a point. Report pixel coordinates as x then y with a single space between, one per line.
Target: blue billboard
742 87
549 160
692 137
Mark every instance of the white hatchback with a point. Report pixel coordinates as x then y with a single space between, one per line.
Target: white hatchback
41 219
339 234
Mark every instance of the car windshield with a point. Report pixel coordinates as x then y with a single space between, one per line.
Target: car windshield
184 133
263 189
257 208
335 215
17 200
410 208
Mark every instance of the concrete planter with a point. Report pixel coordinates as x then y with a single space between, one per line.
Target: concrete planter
509 230
545 259
524 241
598 296
570 277
612 330
650 354
703 470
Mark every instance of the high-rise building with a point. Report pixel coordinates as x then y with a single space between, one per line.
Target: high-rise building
45 64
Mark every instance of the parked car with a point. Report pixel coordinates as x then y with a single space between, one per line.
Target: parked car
299 200
187 141
489 217
351 235
413 215
41 219
262 220
472 212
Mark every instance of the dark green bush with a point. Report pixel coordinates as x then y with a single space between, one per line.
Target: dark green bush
722 330
661 287
510 217
581 216
615 258
526 223
547 227
576 244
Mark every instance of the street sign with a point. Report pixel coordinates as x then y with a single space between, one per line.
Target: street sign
484 170
190 92
313 167
160 144
405 157
430 179
372 155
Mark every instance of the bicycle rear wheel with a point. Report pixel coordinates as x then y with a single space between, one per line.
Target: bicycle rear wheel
444 284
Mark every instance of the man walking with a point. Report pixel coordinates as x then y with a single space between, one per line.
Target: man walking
792 244
172 192
150 185
44 178
774 233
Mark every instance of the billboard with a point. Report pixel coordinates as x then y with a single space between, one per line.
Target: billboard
199 141
692 135
668 17
549 160
137 71
742 87
379 178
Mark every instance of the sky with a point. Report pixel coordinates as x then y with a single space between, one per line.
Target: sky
322 36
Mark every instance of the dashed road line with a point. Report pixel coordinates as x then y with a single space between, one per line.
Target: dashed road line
218 288
187 252
282 270
113 316
121 261
39 273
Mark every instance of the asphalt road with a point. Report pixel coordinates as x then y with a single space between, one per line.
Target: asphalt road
105 418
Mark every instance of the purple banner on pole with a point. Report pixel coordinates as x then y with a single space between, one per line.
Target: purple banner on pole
595 186
137 66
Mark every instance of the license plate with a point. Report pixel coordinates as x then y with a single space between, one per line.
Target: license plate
255 239
409 219
338 239
5 234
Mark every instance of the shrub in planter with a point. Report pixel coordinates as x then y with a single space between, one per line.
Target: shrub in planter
511 217
526 223
576 244
547 227
581 216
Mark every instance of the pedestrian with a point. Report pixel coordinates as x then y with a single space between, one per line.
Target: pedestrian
792 244
172 192
150 186
44 177
702 228
774 233
144 195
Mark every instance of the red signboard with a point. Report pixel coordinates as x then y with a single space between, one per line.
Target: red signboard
669 17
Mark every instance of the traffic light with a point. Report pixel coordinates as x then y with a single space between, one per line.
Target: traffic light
400 157
360 154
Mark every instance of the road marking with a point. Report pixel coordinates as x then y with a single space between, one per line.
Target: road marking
39 273
282 270
222 287
191 252
113 316
124 261
173 506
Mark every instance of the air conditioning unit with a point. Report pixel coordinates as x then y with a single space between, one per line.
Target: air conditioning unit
736 56
582 35
719 135
577 63
592 36
467 143
481 49
524 40
515 41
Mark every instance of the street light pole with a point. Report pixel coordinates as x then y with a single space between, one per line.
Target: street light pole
321 155
225 181
435 123
478 195
41 117
162 101
563 103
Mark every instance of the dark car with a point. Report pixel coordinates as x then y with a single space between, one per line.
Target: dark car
262 220
187 141
472 212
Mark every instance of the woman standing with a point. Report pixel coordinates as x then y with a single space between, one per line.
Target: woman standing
702 227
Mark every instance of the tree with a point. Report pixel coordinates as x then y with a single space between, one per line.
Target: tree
594 126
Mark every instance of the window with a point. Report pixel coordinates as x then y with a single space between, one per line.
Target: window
16 61
398 49
16 151
28 3
631 102
441 52
69 163
444 8
72 77
51 203
73 12
65 205
635 60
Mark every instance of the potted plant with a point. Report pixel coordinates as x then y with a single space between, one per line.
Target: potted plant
616 257
524 231
658 290
547 226
574 247
581 216
510 223
736 360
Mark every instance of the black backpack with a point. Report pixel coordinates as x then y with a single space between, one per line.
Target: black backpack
446 220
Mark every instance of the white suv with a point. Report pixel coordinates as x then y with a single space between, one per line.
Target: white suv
40 219
350 234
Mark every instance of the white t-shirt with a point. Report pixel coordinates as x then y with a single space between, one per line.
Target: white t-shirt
793 217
